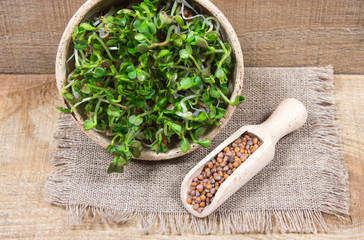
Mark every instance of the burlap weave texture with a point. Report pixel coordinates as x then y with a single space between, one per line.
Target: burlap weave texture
306 178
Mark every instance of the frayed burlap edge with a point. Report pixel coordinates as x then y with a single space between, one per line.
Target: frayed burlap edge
334 198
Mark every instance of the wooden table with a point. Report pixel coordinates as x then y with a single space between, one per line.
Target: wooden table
27 123
272 33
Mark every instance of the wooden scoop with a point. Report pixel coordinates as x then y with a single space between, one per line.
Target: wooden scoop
290 115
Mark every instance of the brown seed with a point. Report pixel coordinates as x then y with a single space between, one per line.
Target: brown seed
208 195
226 168
217 188
203 204
203 198
222 180
199 187
256 146
229 172
230 165
189 200
213 191
207 170
255 140
195 179
236 149
199 177
208 186
223 164
226 176
238 161
220 155
196 206
217 177
193 202
219 160
193 193
252 150
210 165
235 164
105 64
226 149
198 200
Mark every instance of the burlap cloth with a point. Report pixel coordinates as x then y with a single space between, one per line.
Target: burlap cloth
306 179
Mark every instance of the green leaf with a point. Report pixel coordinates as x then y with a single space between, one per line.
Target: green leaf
220 74
86 89
212 36
137 23
69 97
178 42
202 116
88 27
176 128
205 143
214 92
200 131
189 49
224 88
99 72
80 44
140 37
150 94
184 53
163 53
185 145
179 20
65 110
142 48
186 83
132 75
151 27
200 42
135 120
88 124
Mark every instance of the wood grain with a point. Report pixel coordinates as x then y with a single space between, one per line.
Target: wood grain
27 121
272 33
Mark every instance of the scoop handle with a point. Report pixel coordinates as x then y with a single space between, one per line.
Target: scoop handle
289 116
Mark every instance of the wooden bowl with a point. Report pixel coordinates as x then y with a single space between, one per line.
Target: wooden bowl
93 8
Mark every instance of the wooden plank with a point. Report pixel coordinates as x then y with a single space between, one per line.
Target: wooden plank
272 33
27 123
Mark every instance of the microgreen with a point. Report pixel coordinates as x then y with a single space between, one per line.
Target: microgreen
147 76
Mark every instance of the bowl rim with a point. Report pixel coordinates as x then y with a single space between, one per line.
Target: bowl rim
237 76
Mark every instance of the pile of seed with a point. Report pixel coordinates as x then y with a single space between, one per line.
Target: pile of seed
204 187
